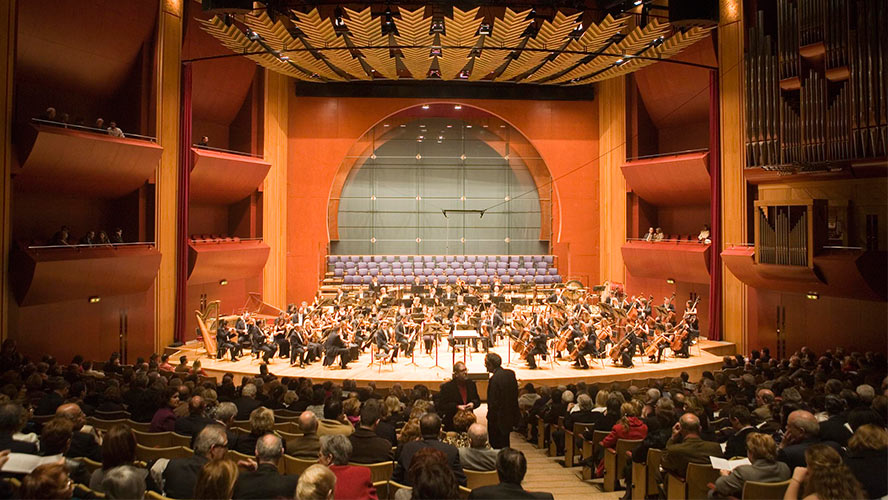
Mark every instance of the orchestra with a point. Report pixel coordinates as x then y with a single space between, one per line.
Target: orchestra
563 323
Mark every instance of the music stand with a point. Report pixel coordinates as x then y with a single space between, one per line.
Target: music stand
464 336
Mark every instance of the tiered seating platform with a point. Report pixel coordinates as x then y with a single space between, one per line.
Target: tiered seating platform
402 269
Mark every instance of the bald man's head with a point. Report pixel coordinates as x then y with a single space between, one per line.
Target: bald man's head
690 424
308 422
803 422
72 412
478 435
196 405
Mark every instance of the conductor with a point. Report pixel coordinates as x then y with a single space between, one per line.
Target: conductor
460 393
502 401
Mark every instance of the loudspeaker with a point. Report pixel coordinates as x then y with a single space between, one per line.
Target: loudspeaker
227 6
689 13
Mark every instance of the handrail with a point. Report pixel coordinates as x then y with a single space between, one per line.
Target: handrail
667 241
94 245
213 240
84 128
659 155
229 151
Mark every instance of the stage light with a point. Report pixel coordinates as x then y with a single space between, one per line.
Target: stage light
385 125
223 282
373 240
418 240
373 156
468 126
457 106
619 61
285 58
95 299
462 157
670 281
638 2
484 29
813 295
425 106
418 156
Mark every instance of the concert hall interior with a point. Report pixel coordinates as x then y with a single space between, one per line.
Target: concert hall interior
595 190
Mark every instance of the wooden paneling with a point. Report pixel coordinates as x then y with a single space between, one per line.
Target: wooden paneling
687 262
214 262
61 160
670 180
7 65
168 72
733 188
274 193
224 178
612 197
61 274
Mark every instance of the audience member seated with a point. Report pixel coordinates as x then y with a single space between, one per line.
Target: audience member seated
317 483
334 421
824 477
649 236
60 238
703 236
606 421
367 446
216 480
833 428
352 481
114 130
164 418
685 446
246 403
179 475
430 427
48 481
51 401
867 459
118 449
629 427
658 235
307 445
511 466
763 468
265 481
741 424
430 476
802 431
12 417
479 456
459 436
55 438
124 482
261 423
196 419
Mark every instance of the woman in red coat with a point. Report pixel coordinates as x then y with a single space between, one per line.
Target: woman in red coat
352 481
629 427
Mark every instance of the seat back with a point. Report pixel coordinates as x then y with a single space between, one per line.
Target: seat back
148 455
177 439
676 487
754 490
138 426
655 455
380 471
111 415
394 486
155 439
698 478
623 447
293 465
153 495
103 424
597 436
477 479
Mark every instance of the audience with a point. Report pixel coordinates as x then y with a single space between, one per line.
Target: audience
352 481
367 446
124 482
511 466
49 481
11 422
685 446
334 421
118 449
308 444
317 483
216 480
164 418
430 476
265 481
478 456
825 477
867 459
763 468
802 431
180 475
430 428
261 423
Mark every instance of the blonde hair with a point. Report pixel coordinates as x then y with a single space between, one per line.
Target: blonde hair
392 404
627 410
317 483
351 407
262 420
410 431
761 446
827 476
601 399
869 437
216 479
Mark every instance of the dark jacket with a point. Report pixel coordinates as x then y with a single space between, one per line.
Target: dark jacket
49 403
691 450
305 446
180 476
84 445
735 446
794 454
502 400
506 491
7 443
410 449
869 468
191 425
245 406
368 448
449 398
833 429
265 482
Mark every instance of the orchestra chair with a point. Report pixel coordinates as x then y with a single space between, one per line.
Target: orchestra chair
477 479
177 439
155 439
293 465
464 492
149 455
676 487
615 461
754 490
380 471
569 447
104 425
648 481
138 426
394 486
83 491
639 481
698 478
382 489
541 433
153 495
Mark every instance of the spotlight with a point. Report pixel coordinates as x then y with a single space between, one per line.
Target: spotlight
813 295
252 35
373 156
223 282
285 58
425 106
670 281
484 29
95 299
458 106
619 61
468 126
638 2
435 52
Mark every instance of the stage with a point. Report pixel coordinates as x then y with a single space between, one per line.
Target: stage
707 355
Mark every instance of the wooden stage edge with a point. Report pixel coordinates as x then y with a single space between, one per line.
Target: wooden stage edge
707 357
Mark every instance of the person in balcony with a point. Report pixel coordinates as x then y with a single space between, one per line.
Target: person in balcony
114 130
659 236
103 239
704 237
89 238
100 123
204 142
649 236
61 237
117 235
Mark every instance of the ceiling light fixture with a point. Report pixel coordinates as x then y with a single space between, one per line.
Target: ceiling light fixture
458 106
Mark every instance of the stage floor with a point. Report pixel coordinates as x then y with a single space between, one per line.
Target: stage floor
707 357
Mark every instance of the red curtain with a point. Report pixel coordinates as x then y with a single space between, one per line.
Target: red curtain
715 269
182 203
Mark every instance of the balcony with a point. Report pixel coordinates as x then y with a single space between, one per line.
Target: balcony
670 180
685 261
82 161
49 274
222 177
214 260
836 272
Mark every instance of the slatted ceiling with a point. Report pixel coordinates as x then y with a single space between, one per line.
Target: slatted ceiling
413 29
237 41
320 33
460 30
506 33
365 32
276 36
592 40
553 35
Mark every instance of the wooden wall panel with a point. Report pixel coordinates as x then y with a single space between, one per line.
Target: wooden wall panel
7 64
274 193
733 191
612 193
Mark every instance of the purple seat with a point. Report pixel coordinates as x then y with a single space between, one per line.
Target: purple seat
363 271
528 264
402 258
397 271
542 264
522 271
513 264
350 265
553 271
441 278
517 279
471 272
513 271
439 258
451 279
332 258
388 280
362 265
377 258
513 258
339 272
460 258
339 265
366 258
502 265
351 271
428 271
549 259
479 265
349 280
537 258
409 278
439 270
392 264
556 278
471 258
448 271
483 278
449 258
427 258
389 258
373 265
399 280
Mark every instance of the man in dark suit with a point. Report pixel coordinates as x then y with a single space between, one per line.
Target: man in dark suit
459 393
367 447
196 420
50 401
430 427
502 401
833 428
510 467
83 444
266 481
10 423
335 346
741 421
308 444
247 402
802 430
180 474
685 446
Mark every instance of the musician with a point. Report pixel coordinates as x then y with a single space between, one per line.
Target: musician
667 304
280 338
334 346
404 336
223 336
384 343
589 348
538 346
428 337
628 352
374 285
298 346
684 337
449 295
557 297
259 341
417 288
